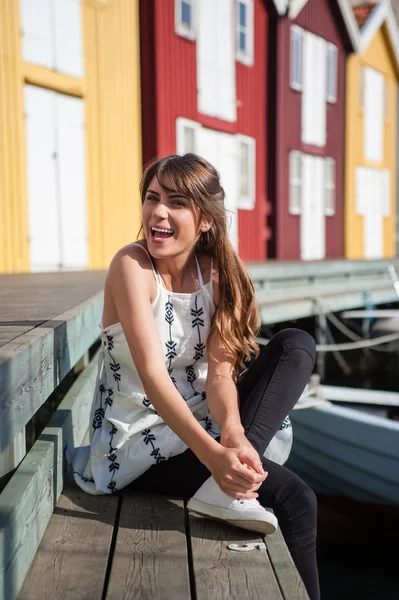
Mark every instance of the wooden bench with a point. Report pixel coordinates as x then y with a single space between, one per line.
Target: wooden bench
58 542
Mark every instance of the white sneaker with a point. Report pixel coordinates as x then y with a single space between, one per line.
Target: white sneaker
212 502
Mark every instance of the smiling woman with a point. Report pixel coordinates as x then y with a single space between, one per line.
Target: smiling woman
173 412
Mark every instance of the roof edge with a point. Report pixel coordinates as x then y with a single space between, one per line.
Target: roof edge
382 13
350 22
295 7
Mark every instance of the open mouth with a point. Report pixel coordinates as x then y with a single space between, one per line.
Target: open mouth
158 234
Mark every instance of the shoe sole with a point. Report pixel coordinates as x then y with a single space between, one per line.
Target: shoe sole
224 514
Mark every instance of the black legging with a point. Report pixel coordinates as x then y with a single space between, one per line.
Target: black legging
268 390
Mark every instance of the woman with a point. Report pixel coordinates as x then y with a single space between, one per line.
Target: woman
171 414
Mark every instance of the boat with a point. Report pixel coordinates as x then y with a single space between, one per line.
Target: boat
345 444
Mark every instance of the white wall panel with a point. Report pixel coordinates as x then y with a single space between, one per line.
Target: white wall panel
216 59
226 71
314 95
36 30
42 190
373 115
72 181
220 149
312 224
52 34
68 37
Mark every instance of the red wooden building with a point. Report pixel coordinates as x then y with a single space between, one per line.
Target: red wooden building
205 76
307 128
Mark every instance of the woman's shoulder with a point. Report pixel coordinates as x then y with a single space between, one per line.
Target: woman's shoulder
134 255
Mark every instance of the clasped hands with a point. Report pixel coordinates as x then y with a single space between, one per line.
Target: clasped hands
236 467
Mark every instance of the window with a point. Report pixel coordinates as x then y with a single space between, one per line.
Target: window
296 58
247 172
186 135
331 73
245 31
329 199
295 201
184 18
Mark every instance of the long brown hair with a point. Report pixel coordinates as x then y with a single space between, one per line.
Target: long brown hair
236 317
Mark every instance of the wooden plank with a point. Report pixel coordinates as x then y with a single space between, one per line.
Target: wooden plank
10 458
286 572
28 500
150 560
33 365
225 574
72 558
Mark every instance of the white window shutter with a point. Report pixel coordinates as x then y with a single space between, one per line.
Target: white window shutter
71 167
246 151
220 149
373 115
329 189
216 59
320 92
207 70
225 56
68 37
308 89
42 190
295 175
37 32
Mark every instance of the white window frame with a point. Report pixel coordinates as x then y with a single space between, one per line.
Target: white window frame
330 187
296 33
332 51
294 208
246 57
248 201
181 125
181 28
386 99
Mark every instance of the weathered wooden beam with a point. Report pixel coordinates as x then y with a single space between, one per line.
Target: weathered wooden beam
12 456
33 365
27 502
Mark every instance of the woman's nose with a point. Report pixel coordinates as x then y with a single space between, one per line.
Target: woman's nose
160 210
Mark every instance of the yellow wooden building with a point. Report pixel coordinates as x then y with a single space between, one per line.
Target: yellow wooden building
70 132
371 134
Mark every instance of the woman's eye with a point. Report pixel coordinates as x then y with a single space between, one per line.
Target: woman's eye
152 198
180 203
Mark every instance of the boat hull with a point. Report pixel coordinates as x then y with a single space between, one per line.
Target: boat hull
340 450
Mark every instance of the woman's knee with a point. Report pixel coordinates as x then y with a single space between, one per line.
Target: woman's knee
295 339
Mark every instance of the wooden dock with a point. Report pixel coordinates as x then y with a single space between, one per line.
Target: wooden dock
149 547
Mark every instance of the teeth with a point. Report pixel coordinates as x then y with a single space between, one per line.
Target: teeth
162 230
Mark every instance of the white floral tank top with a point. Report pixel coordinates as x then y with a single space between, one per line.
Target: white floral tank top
127 436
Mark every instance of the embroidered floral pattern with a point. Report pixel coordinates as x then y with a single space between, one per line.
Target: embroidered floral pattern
150 440
170 344
113 365
209 425
197 312
114 464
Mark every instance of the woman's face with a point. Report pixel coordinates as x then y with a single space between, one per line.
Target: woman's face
169 221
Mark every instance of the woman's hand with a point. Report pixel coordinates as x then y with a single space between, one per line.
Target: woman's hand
233 437
231 471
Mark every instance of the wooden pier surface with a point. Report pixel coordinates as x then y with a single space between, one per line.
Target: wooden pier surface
29 300
149 547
